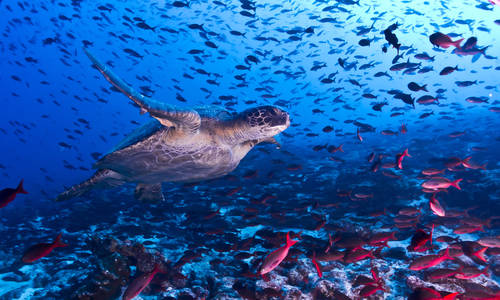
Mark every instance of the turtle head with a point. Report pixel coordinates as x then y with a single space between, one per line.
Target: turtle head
264 121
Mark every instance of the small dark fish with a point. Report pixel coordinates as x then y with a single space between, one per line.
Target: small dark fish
448 70
132 52
236 33
415 87
195 51
247 14
328 129
145 26
196 27
425 115
180 4
364 42
378 106
465 83
210 44
424 56
380 74
406 98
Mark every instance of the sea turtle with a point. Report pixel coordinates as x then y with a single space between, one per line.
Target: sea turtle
179 145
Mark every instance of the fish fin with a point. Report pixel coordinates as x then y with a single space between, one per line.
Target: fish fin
289 242
58 243
480 253
20 189
456 182
457 43
476 57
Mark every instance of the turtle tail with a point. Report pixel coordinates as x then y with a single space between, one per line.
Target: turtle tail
101 179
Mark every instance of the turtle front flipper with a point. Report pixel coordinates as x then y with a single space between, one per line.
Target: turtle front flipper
101 179
149 192
184 119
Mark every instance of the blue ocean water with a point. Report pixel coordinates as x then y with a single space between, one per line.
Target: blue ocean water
360 82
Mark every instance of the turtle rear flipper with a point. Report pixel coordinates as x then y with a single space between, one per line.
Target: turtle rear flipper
186 120
149 192
101 179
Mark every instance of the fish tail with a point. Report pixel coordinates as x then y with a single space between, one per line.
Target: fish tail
485 270
480 254
466 160
289 242
446 254
20 189
457 43
58 243
455 183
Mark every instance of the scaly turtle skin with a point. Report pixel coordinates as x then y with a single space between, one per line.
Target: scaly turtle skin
180 145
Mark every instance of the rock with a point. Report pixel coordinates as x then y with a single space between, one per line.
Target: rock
324 290
296 294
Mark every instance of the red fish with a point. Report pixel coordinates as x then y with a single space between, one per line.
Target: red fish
360 138
41 250
419 239
431 171
436 207
442 40
437 183
139 283
403 129
429 261
333 149
471 272
316 265
357 254
431 294
470 165
277 256
9 194
464 229
400 156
